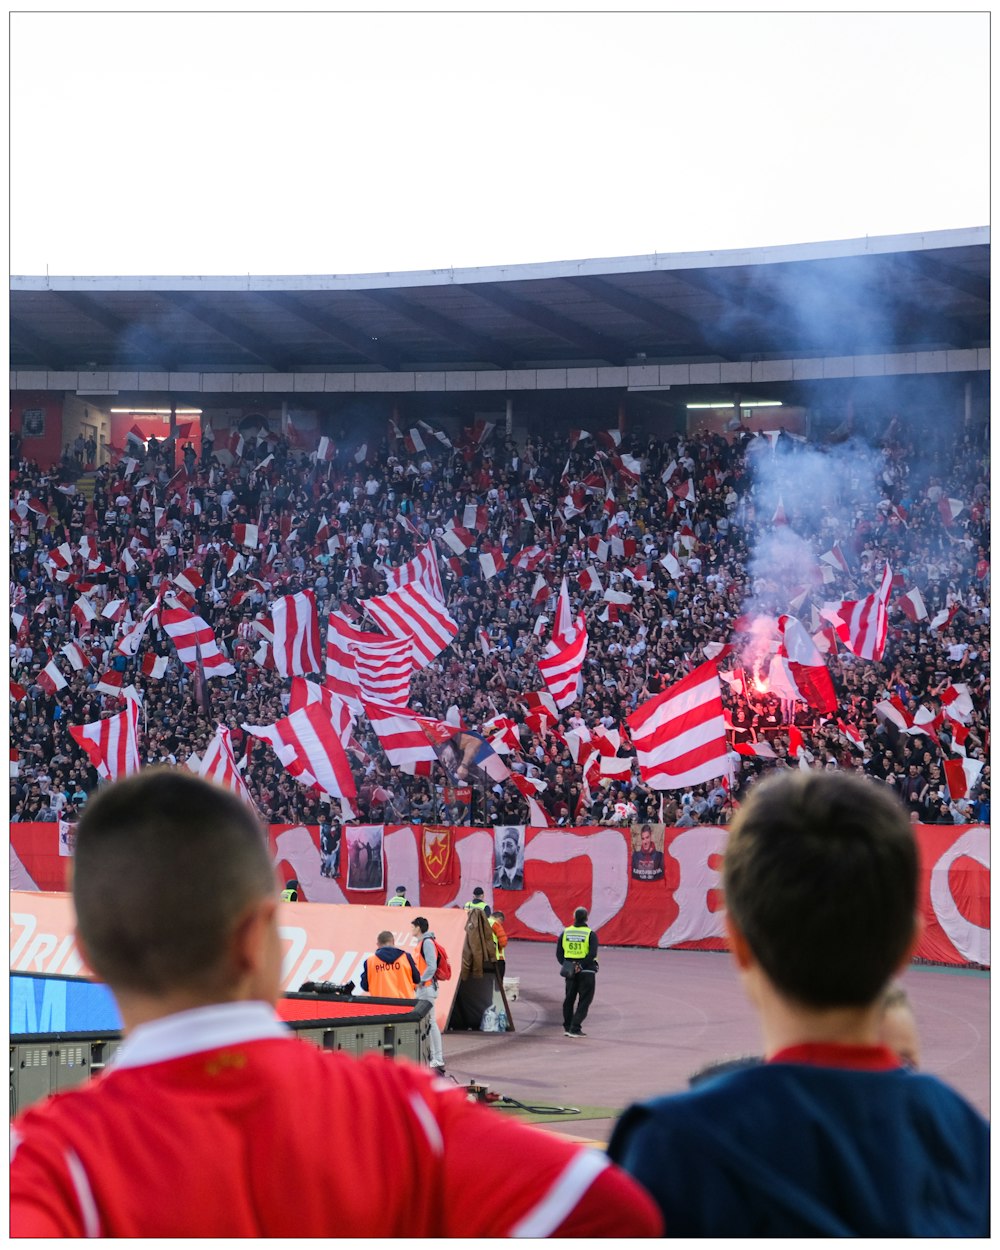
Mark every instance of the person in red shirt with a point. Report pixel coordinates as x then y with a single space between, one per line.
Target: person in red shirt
213 1121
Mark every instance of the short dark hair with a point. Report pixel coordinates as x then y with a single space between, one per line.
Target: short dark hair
478 890
820 877
165 865
384 938
580 915
421 923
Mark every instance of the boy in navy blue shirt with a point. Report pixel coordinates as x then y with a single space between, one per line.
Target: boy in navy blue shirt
831 1135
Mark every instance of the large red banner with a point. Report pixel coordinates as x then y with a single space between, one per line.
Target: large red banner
567 868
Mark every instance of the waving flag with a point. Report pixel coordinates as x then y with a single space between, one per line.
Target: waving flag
680 735
862 626
308 745
246 535
538 817
412 612
423 568
384 668
112 744
492 562
403 739
218 764
562 672
295 634
50 679
459 539
563 629
195 642
806 666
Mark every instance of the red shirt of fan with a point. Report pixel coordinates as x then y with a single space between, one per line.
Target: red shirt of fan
216 1123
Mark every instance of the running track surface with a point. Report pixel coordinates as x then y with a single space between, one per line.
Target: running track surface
658 1016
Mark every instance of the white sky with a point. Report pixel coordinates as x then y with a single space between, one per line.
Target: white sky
317 143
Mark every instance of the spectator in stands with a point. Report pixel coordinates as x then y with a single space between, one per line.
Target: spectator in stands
242 1115
673 617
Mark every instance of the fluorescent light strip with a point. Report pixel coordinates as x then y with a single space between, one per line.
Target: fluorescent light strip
159 412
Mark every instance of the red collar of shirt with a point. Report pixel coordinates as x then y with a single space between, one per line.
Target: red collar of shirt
839 1055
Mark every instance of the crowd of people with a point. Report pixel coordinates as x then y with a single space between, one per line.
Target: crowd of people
699 499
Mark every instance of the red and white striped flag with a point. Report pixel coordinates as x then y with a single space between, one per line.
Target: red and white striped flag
413 442
598 548
862 625
236 444
110 683
294 628
541 589
423 568
961 776
60 557
308 745
83 610
326 449
836 558
384 669
492 562
806 666
563 629
913 606
949 509
128 644
538 817
112 744
529 558
760 750
458 539
526 511
341 662
680 735
50 679
218 764
957 702
483 638
246 535
412 612
190 580
401 733
563 671
943 619
115 609
76 655
194 640
590 581
17 693
155 666
475 516
504 734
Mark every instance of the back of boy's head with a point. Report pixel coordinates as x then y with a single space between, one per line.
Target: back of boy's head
820 877
165 864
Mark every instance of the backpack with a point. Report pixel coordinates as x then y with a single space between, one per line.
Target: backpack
444 966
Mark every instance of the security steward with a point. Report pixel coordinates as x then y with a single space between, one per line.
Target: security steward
576 950
290 894
478 900
399 899
390 972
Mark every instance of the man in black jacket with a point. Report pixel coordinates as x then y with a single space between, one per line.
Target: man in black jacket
576 950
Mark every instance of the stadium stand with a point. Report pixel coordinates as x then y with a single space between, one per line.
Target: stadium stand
669 545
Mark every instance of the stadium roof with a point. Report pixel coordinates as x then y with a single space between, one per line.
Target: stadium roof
908 292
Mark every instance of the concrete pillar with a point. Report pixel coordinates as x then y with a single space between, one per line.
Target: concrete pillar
509 424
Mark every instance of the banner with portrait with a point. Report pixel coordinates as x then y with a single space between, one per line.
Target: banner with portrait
365 870
508 857
647 851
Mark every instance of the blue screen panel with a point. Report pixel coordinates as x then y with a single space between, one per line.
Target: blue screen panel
55 1005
